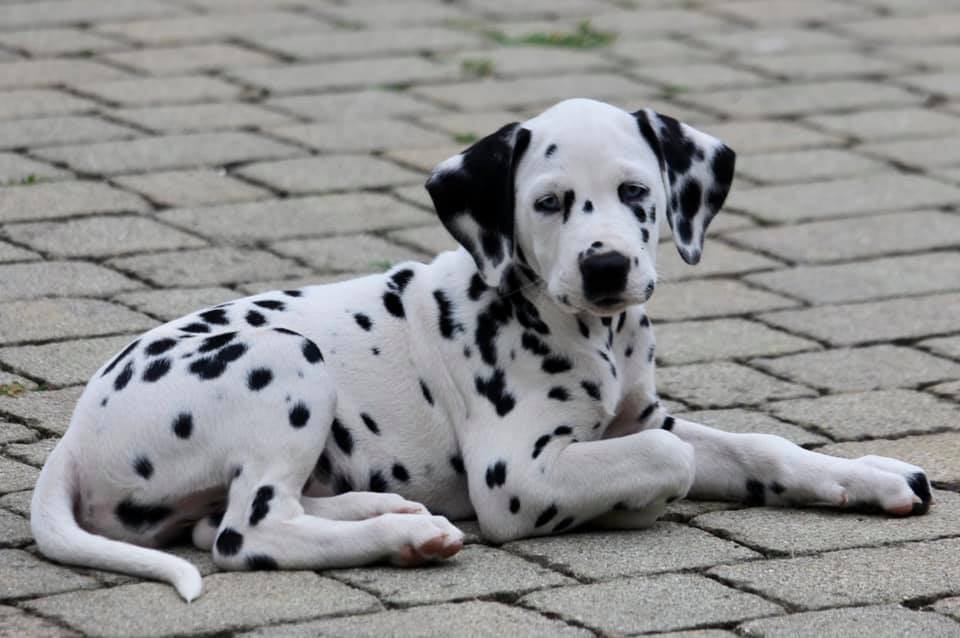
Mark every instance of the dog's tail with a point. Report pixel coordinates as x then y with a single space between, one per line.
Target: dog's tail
61 538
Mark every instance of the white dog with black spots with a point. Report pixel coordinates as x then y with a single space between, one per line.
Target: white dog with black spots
511 380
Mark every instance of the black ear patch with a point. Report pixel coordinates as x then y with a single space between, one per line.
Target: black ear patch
697 171
473 194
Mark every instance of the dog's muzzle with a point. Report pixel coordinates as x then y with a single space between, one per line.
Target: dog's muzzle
605 278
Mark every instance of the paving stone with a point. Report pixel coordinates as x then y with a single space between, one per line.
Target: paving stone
371 42
918 153
174 151
892 30
790 532
852 324
165 90
14 381
945 346
948 606
347 253
514 61
607 555
416 195
859 369
43 319
825 66
213 26
862 280
207 266
14 532
26 575
473 618
392 71
683 510
535 8
713 298
423 159
772 41
189 59
100 236
950 390
852 576
430 240
516 93
724 384
60 279
658 21
41 102
257 287
387 13
34 454
868 415
359 135
764 12
15 433
847 239
42 43
854 622
747 421
16 170
354 105
48 72
758 136
50 12
476 571
229 601
63 199
689 76
49 410
298 217
888 123
15 476
932 56
65 362
697 633
10 253
718 259
18 502
172 303
661 603
695 341
649 49
14 622
935 453
806 166
201 117
475 124
327 173
192 188
68 129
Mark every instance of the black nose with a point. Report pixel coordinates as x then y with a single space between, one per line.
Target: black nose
604 276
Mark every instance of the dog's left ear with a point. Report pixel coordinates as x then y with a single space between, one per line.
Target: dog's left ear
473 193
697 171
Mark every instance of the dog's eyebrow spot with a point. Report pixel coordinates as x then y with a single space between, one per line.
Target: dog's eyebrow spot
588 206
550 150
568 198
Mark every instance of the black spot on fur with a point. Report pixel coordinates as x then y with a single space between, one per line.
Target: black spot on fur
216 341
690 198
183 425
255 318
497 474
555 364
563 430
777 488
564 524
377 482
497 314
621 321
529 316
628 352
647 411
311 352
546 516
261 562
229 542
160 346
143 467
755 494
287 331
363 321
495 390
293 293
559 393
477 287
400 472
645 235
448 326
426 392
539 444
568 198
370 423
550 150
393 304
588 206
124 377
457 463
156 370
216 316
140 517
196 327
270 304
683 229
400 279
120 357
259 378
342 437
921 487
323 468
592 389
514 505
644 321
668 423
534 344
584 330
261 504
212 367
299 415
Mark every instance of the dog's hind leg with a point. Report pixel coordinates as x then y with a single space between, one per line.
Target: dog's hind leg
355 506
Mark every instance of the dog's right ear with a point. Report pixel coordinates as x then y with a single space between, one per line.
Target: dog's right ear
474 194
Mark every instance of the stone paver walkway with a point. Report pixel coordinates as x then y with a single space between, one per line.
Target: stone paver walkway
160 155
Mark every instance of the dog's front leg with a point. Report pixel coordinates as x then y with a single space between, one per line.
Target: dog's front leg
766 469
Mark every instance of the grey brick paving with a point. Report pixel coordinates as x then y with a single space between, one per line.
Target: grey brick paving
159 156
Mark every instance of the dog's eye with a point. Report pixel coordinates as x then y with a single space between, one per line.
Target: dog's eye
631 191
548 204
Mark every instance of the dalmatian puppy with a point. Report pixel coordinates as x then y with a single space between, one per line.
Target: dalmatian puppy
511 380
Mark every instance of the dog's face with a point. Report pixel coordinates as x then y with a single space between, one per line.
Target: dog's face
575 195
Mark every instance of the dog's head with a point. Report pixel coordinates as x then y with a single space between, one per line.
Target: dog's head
575 195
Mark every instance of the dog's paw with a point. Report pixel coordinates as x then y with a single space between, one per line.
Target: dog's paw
423 539
375 504
878 484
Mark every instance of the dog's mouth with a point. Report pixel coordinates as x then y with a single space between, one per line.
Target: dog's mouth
607 302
